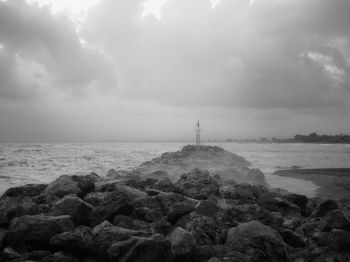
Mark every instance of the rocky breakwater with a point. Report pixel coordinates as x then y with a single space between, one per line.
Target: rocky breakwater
217 161
148 218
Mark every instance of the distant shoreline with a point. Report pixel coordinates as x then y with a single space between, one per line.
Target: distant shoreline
312 138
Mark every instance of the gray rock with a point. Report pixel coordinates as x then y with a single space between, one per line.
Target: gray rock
324 208
141 249
39 229
182 241
206 231
258 240
26 190
292 239
78 241
106 236
74 206
276 203
66 185
336 219
197 184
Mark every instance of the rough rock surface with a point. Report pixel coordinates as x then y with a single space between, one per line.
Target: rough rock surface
214 159
201 217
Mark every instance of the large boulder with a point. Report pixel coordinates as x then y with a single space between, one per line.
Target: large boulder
38 229
78 241
158 180
60 257
206 231
243 193
276 203
105 236
249 212
197 184
11 207
170 205
66 185
257 239
212 158
141 249
26 190
120 201
182 241
324 207
292 239
74 206
336 219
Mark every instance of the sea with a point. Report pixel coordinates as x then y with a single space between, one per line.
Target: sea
23 163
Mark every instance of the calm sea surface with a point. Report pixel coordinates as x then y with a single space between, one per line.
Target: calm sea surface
41 163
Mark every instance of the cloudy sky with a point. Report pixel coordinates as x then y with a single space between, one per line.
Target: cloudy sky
92 70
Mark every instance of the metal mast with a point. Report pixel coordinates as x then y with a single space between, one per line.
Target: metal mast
198 134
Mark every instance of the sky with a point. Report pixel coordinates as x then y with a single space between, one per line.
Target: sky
99 70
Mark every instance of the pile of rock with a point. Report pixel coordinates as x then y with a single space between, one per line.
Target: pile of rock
212 158
147 217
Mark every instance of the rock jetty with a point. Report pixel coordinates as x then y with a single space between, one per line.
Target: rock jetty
149 217
212 158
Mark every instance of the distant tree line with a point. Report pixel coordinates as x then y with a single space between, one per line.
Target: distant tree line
311 138
315 138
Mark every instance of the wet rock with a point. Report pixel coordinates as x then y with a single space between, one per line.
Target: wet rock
93 177
336 219
255 176
105 224
26 190
245 193
206 208
60 257
38 229
171 205
77 241
14 240
141 249
308 229
248 212
131 223
106 236
205 231
203 253
66 185
120 201
292 239
158 180
258 240
35 255
182 241
293 222
9 254
74 206
299 200
276 203
339 240
197 184
179 209
324 208
326 255
11 207
320 238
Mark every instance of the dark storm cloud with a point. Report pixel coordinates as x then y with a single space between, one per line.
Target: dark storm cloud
268 54
31 34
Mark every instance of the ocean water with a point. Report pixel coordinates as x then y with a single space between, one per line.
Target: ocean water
41 163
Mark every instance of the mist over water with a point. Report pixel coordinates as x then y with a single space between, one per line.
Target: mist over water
41 163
